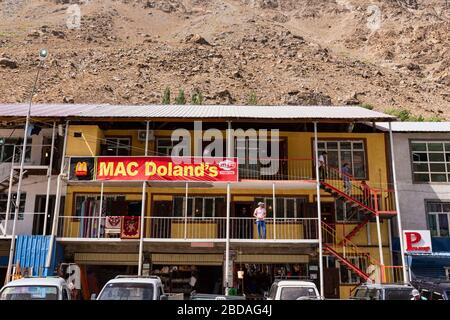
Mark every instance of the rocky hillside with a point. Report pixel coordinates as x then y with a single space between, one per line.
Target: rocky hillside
391 54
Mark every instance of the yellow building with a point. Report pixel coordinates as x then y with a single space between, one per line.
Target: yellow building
195 226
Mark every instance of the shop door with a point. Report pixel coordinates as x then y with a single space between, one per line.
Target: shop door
331 283
242 221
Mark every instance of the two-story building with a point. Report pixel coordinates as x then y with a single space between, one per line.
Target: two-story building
422 164
333 227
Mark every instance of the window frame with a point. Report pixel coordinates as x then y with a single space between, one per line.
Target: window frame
119 146
445 162
193 202
285 199
436 215
352 150
22 204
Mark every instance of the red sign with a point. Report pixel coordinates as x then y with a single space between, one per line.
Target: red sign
417 241
167 169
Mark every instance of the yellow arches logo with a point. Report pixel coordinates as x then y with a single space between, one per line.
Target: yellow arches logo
81 169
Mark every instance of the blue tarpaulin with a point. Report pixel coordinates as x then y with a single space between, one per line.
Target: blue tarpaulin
31 251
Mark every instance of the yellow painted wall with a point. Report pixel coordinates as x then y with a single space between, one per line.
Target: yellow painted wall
299 146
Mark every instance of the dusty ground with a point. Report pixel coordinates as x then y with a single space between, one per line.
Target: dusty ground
388 54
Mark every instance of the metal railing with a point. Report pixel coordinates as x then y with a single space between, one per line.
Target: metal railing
276 169
177 228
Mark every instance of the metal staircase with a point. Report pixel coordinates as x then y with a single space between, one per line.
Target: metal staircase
368 201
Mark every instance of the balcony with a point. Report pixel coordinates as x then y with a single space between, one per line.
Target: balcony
176 229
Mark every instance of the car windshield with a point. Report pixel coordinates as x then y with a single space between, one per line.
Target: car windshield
293 293
30 293
398 294
127 291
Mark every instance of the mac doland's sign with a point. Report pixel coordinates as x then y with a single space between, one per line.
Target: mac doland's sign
417 241
154 169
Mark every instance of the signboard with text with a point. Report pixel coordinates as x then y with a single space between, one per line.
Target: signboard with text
189 169
417 241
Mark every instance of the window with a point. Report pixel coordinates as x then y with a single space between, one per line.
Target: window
340 152
285 207
430 161
116 147
164 146
349 277
65 294
199 206
7 148
438 214
4 202
127 291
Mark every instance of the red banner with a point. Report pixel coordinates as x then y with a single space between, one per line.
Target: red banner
166 169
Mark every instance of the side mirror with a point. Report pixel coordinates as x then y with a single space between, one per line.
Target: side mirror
94 296
164 297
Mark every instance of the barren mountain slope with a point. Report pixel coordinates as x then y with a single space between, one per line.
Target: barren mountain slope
388 54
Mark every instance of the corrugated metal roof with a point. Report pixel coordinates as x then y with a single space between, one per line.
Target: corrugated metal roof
415 126
194 111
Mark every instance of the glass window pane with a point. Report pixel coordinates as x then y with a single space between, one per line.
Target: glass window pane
420 177
447 157
443 225
437 167
434 207
447 146
332 145
189 208
420 156
439 178
209 208
198 207
359 165
333 159
435 146
280 208
346 145
321 145
346 156
418 146
420 167
446 207
178 206
358 145
290 208
436 157
432 225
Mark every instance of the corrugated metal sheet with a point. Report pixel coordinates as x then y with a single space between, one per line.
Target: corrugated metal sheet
194 111
415 126
31 252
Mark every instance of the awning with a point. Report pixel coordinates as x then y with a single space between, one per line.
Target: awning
106 258
272 259
188 259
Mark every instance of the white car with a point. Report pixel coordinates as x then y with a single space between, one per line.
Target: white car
293 290
132 288
38 288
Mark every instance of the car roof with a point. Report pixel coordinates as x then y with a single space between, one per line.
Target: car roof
37 281
386 286
135 280
295 283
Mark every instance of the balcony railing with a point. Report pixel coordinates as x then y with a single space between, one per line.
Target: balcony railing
277 169
190 228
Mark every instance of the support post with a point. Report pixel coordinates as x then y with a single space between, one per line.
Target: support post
11 177
100 210
49 180
186 203
380 243
274 210
319 209
144 197
57 200
227 243
397 205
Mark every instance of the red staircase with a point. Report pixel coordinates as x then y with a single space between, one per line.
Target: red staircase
364 276
368 201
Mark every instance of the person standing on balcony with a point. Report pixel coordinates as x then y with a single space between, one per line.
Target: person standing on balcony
323 166
346 175
260 215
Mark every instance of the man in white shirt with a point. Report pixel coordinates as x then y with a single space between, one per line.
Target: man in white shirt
260 215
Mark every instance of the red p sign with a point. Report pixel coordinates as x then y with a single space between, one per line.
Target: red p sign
414 239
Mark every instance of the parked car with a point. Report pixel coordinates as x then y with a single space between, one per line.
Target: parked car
383 292
135 288
433 289
38 288
203 296
293 290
